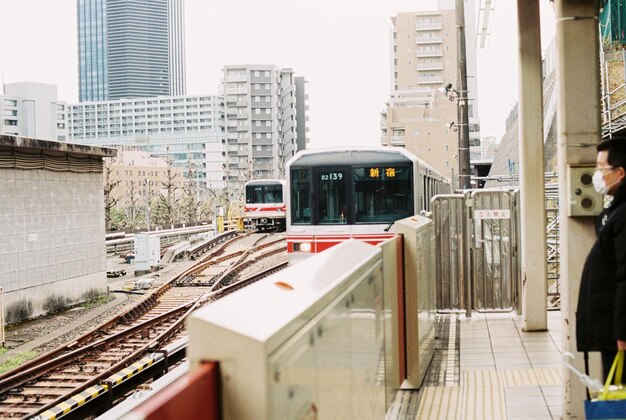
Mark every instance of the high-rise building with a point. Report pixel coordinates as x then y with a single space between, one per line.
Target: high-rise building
302 119
260 121
31 109
424 59
130 49
187 129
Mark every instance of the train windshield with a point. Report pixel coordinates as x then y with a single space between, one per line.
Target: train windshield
382 193
264 194
301 196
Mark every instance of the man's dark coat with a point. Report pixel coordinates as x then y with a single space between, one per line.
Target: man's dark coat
601 314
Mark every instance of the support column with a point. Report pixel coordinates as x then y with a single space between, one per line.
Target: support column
578 126
532 205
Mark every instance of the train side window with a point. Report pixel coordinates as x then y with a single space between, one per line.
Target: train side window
332 196
382 193
301 196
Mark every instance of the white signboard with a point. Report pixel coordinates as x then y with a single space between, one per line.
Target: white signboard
492 214
32 237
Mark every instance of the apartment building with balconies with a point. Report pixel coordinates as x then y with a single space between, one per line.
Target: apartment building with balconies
423 60
31 109
261 121
188 129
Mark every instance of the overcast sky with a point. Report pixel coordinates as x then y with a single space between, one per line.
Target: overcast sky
340 46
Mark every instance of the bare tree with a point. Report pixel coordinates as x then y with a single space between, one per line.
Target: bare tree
189 204
134 218
110 182
164 206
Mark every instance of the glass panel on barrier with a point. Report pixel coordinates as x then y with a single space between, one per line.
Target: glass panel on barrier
382 193
300 196
333 201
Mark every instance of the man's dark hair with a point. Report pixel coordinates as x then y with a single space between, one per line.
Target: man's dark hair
616 148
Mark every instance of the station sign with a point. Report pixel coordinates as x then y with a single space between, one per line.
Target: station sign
492 214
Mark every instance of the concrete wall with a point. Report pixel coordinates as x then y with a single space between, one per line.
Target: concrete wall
52 252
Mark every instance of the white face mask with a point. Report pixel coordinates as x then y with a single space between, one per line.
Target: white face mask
600 184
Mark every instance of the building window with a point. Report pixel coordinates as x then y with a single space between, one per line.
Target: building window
10 102
10 122
10 112
257 73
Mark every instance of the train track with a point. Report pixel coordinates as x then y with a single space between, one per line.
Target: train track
86 373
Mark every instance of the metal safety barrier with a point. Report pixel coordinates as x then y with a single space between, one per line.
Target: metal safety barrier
451 251
476 237
495 266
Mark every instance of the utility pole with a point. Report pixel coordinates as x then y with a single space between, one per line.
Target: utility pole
462 101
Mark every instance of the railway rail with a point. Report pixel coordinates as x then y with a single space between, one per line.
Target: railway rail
94 370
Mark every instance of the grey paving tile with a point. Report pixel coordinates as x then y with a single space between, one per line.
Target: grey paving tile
535 411
525 401
552 391
547 365
522 391
475 368
536 338
499 351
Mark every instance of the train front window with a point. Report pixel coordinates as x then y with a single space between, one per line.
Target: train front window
263 194
332 199
301 196
382 193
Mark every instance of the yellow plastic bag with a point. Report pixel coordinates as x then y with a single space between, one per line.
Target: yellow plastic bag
615 391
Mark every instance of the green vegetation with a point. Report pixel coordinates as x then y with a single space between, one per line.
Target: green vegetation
16 361
97 301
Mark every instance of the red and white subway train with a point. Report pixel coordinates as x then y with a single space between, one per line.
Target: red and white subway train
354 193
265 207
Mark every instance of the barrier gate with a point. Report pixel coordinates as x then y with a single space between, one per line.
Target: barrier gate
476 239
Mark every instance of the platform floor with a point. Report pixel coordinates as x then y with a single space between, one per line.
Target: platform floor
486 367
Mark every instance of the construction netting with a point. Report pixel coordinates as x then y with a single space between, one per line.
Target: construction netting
613 21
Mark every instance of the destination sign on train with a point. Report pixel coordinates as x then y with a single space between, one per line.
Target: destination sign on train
376 172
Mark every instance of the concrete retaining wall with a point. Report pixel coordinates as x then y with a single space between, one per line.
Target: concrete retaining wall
52 248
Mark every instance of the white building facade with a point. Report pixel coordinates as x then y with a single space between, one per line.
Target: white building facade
30 109
187 129
260 120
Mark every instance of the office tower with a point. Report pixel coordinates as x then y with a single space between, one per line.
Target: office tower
260 121
419 116
130 48
31 109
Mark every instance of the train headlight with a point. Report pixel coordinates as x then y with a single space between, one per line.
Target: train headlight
303 247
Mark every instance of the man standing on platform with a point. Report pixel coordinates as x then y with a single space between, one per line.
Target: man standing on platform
601 313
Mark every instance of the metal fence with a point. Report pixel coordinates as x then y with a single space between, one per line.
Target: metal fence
476 236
